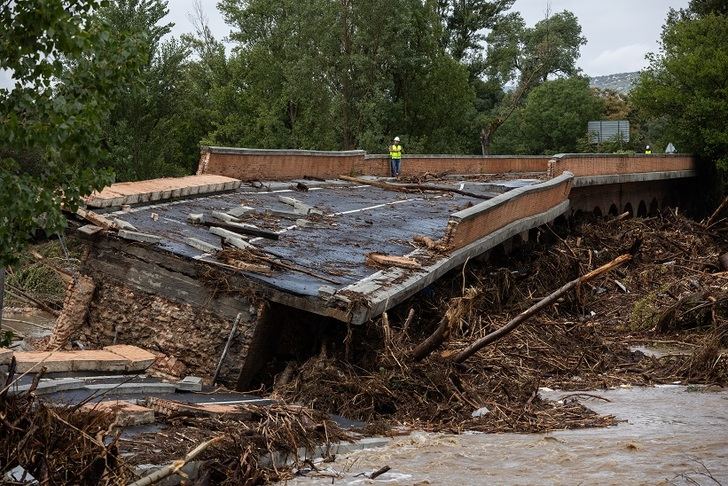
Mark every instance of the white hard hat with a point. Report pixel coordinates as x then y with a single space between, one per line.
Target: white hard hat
396 139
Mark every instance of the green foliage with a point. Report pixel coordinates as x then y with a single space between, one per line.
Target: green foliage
148 130
50 122
687 86
6 338
525 58
552 120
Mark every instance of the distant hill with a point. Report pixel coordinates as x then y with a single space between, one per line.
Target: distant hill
621 82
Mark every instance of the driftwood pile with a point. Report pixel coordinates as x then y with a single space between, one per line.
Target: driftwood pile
55 444
472 352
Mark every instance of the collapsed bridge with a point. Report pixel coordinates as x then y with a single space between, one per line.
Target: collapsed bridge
257 233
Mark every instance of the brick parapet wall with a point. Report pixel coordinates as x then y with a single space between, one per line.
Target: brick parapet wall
584 165
474 223
254 164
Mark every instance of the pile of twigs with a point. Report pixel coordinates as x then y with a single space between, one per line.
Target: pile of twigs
80 445
672 290
58 445
259 449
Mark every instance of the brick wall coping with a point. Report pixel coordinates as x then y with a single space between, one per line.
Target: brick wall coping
250 151
584 155
511 195
457 156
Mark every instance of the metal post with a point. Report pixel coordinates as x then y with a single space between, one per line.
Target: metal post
227 347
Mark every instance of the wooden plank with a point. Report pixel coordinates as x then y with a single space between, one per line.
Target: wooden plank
375 259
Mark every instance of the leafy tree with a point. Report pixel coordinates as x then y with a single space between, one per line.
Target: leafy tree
50 122
465 23
525 57
552 120
687 87
350 80
149 132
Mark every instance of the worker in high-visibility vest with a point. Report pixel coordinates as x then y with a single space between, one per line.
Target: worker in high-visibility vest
648 150
395 157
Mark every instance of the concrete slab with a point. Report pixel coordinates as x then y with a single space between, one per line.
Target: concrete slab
90 229
127 414
231 238
203 245
121 224
141 237
120 358
67 361
131 388
240 210
190 383
138 358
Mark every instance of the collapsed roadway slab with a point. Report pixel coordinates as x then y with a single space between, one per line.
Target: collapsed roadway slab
341 249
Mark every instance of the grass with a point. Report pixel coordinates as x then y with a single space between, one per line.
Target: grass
39 280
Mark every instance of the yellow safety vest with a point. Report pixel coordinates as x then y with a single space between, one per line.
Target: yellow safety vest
648 151
395 151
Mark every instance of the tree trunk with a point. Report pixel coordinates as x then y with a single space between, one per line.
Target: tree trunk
550 299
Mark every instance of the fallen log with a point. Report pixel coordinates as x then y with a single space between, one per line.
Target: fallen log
525 315
413 187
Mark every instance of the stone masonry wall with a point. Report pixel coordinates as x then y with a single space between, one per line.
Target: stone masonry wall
191 335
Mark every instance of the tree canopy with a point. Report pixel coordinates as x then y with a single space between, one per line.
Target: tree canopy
686 86
50 122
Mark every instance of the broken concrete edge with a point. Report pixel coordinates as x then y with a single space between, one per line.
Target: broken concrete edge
110 358
600 180
172 188
203 245
383 293
231 238
48 386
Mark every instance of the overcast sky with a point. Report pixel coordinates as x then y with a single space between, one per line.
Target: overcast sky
619 32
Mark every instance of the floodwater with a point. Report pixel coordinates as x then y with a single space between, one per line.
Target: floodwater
671 435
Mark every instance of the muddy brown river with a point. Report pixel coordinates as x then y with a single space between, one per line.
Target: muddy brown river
671 435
